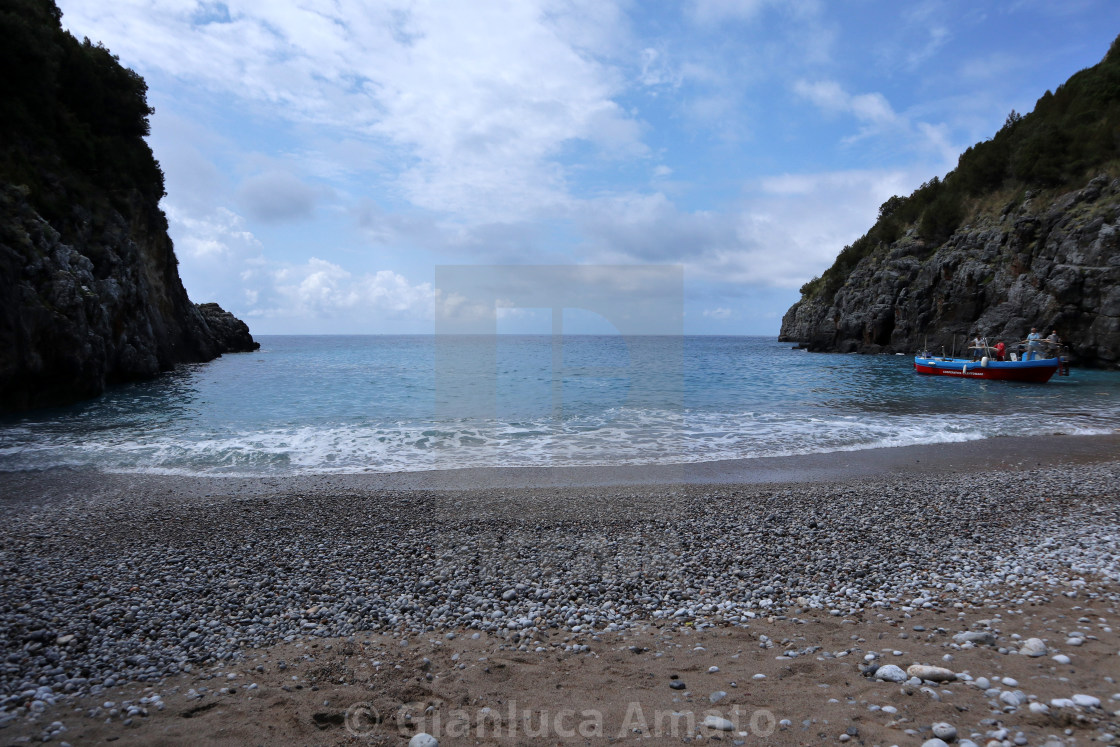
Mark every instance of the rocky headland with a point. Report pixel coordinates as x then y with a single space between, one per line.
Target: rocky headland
1025 232
1050 262
90 294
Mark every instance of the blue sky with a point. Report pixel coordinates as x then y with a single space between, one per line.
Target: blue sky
324 157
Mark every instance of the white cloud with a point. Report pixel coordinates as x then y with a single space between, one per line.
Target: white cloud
878 117
220 235
788 229
720 313
939 36
325 290
798 223
483 95
870 108
656 71
221 260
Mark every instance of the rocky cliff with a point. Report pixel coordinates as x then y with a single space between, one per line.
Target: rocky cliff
1025 232
1050 262
90 293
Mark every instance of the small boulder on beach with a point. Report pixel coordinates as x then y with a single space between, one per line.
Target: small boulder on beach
890 673
930 673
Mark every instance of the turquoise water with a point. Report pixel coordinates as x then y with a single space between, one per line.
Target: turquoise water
406 403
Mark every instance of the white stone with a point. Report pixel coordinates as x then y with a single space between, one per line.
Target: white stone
423 739
1033 647
890 673
1010 681
1074 641
1039 708
944 730
977 637
717 723
1061 658
1086 701
935 743
982 683
1013 698
1062 703
933 674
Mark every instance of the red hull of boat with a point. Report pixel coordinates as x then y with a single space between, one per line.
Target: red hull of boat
1034 374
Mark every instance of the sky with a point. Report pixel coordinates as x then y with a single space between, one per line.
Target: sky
324 158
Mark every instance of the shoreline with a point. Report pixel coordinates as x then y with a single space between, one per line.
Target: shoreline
1002 453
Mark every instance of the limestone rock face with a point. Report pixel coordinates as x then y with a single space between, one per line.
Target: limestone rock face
105 308
1051 264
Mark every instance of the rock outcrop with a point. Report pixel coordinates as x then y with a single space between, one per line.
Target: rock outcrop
1050 262
230 333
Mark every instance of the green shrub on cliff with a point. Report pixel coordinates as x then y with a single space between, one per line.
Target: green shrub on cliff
1071 131
74 117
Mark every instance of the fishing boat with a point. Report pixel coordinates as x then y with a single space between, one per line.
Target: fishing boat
986 364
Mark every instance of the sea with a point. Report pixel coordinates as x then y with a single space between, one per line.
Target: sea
365 404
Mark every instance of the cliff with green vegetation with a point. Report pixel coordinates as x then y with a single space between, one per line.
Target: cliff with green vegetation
90 293
1024 232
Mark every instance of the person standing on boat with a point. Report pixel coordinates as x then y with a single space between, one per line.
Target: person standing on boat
977 347
1001 350
1034 345
1053 343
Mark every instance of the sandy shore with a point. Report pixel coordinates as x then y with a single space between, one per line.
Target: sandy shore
558 606
383 689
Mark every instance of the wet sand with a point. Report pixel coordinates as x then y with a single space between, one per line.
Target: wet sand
1021 453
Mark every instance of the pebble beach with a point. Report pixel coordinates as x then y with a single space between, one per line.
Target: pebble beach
152 610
